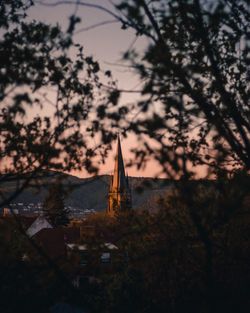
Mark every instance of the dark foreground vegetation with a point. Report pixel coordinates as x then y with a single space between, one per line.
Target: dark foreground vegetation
193 255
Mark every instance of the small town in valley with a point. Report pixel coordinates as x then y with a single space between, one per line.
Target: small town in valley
124 156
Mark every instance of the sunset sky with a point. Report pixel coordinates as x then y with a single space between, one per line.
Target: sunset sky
106 44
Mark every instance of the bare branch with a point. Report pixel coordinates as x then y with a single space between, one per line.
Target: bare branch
84 29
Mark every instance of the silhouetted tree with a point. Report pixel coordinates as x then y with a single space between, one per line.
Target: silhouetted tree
189 255
48 92
195 78
194 106
54 207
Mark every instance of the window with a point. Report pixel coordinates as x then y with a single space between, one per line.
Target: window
105 257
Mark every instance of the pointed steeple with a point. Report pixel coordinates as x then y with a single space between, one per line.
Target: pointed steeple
119 183
119 192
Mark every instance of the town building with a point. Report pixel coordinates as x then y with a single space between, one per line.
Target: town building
39 224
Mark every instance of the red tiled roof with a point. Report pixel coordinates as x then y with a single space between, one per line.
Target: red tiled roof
54 240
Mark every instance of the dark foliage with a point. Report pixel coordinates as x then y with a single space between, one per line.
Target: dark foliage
54 206
48 96
191 256
194 106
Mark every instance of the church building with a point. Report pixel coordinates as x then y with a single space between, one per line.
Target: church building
119 197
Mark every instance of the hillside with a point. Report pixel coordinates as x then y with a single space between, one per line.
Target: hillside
90 193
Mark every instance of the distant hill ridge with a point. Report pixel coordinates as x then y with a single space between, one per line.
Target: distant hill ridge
88 193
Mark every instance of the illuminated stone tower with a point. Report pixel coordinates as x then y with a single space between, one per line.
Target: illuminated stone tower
119 197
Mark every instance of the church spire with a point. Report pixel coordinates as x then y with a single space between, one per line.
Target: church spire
119 193
119 178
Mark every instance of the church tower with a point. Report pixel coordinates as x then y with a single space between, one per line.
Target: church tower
119 197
